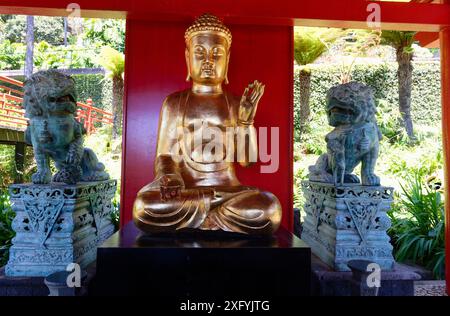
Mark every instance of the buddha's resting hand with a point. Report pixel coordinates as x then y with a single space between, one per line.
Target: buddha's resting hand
171 186
249 102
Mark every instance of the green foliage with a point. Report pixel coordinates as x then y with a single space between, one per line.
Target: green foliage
311 43
115 215
96 87
12 55
390 122
300 175
418 225
6 231
8 169
47 56
399 39
106 148
113 61
312 140
357 42
425 99
49 37
423 161
100 32
49 29
307 48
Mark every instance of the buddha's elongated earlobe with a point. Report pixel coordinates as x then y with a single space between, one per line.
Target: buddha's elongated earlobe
226 70
186 54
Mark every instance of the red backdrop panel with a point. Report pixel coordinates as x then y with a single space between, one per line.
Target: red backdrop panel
155 67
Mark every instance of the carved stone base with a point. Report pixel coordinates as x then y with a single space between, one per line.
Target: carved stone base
57 224
348 222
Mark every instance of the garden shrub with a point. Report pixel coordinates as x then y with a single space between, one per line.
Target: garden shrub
418 225
97 87
6 231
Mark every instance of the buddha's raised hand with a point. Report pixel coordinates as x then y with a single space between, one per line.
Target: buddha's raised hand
249 102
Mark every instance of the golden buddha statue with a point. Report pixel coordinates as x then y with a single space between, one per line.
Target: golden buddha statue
195 184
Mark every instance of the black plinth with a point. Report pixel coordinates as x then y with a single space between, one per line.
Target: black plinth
202 264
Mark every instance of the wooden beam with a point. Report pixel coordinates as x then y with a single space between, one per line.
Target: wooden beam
345 13
8 135
428 39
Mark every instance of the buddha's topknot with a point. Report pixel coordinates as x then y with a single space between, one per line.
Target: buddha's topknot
207 22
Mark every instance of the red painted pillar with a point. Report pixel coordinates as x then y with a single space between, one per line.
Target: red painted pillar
445 93
444 39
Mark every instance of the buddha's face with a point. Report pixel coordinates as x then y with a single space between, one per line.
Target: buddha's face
207 58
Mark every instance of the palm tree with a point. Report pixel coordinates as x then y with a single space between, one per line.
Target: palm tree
309 44
114 63
402 42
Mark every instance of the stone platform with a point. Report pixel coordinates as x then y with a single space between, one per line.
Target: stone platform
58 224
35 286
202 264
22 286
327 282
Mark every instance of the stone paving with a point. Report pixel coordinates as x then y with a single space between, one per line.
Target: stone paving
430 288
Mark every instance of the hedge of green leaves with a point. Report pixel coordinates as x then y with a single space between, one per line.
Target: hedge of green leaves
97 87
426 101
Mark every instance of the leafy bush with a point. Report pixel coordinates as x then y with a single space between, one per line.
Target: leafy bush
106 148
115 215
390 122
12 55
101 32
418 225
6 231
49 29
418 161
300 175
97 87
47 56
8 168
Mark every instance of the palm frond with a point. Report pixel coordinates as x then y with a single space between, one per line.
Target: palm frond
112 60
399 39
311 43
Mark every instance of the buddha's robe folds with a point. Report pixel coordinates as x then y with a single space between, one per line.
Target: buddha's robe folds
212 197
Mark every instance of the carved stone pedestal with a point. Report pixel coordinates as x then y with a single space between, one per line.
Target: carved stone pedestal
57 224
348 222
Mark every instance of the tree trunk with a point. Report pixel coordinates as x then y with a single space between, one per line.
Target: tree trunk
404 75
65 30
117 106
30 47
305 92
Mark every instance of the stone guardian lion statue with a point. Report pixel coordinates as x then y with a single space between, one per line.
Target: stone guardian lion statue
53 131
351 110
